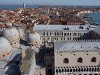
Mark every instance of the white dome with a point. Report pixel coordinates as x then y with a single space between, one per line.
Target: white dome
33 38
12 35
8 24
21 32
4 45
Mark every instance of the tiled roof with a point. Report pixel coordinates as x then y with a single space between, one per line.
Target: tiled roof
2 26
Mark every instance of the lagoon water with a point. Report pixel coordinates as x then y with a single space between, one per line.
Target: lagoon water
13 7
95 17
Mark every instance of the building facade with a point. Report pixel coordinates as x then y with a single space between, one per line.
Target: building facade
51 33
73 58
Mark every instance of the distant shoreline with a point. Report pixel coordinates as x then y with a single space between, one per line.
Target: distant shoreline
56 5
13 7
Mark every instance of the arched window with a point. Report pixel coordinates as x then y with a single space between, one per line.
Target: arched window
55 33
62 33
65 70
93 59
70 70
50 33
44 33
47 33
57 71
66 60
62 70
80 60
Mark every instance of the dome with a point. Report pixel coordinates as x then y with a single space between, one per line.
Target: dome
12 35
4 45
21 32
33 39
8 24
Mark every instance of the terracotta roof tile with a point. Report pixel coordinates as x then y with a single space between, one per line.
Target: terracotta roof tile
2 26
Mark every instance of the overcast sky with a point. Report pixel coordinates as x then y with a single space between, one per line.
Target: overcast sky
53 2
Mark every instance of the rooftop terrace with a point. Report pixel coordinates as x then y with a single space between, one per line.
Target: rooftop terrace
64 27
77 46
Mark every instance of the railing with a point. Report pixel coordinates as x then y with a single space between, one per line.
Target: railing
77 69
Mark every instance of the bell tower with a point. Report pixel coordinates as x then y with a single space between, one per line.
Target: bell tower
23 5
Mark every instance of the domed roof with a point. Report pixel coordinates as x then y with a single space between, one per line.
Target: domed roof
21 32
8 24
4 45
33 38
11 34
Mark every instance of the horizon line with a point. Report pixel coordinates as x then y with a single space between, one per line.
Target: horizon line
52 5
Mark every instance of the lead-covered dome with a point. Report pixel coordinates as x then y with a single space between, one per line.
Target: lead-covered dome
12 35
21 32
8 24
33 39
4 46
